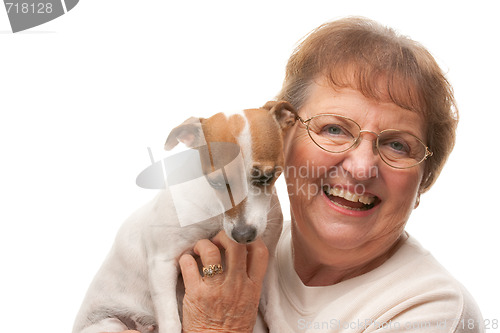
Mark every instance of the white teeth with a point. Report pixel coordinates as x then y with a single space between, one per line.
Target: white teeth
343 193
366 199
350 196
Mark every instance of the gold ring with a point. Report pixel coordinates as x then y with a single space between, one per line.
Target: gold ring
211 270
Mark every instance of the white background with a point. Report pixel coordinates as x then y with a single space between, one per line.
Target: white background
83 96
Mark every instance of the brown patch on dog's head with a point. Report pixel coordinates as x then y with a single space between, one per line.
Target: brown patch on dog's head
267 127
222 128
196 132
201 133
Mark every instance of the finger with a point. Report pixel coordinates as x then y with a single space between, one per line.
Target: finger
236 254
189 270
209 254
258 257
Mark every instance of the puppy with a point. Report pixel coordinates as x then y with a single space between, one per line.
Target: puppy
239 157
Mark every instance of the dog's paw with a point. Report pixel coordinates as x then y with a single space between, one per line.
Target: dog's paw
146 324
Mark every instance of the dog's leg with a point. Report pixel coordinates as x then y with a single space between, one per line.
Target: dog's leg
163 280
270 306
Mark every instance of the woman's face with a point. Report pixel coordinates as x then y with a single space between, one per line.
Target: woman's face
326 224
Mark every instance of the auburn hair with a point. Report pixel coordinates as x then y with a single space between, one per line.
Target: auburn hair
361 54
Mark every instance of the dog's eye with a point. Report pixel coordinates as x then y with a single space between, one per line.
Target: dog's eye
262 175
262 180
217 183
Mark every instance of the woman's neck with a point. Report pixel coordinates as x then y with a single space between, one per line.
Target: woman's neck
333 268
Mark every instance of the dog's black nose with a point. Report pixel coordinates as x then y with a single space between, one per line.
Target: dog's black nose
244 234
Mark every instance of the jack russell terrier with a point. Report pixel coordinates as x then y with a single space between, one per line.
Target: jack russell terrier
139 286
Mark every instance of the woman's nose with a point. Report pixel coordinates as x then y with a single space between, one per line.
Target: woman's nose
361 161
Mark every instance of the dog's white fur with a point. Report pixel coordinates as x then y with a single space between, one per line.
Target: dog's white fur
139 280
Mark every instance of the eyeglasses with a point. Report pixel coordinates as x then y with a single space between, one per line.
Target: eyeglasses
337 134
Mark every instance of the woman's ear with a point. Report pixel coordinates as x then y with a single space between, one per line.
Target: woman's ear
417 201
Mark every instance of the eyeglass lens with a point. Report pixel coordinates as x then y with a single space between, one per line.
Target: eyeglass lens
337 134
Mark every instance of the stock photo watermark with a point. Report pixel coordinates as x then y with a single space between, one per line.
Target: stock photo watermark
214 172
438 325
26 14
297 187
217 173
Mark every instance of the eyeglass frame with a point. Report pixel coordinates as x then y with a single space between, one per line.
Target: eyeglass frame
356 142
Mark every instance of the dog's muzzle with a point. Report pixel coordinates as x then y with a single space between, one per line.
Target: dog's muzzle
244 234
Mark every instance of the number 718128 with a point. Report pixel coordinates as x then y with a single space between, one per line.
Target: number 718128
29 8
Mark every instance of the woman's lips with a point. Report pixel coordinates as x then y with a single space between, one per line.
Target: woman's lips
348 200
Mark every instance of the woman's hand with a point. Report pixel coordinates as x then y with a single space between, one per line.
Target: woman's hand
226 302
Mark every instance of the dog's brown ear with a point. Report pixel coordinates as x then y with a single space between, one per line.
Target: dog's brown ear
189 133
284 113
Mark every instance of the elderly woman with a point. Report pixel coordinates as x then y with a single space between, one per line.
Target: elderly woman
376 124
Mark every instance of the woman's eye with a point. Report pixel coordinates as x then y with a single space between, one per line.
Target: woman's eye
399 146
333 130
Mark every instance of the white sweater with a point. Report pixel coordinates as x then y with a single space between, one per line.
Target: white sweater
410 292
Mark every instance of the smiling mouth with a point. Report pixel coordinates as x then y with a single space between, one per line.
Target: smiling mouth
346 199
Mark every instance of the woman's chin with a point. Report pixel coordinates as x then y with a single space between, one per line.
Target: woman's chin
340 230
